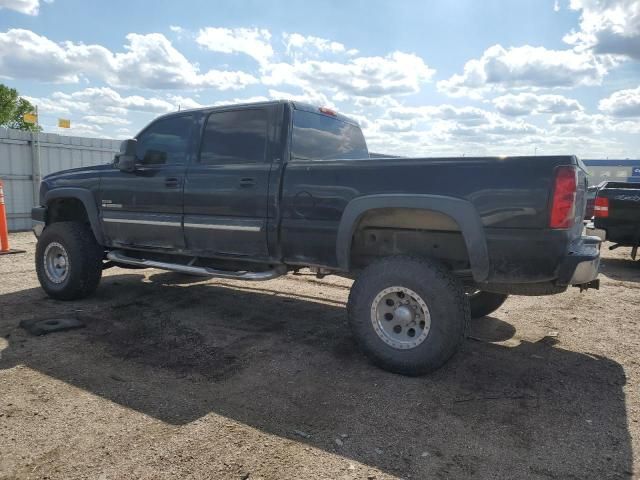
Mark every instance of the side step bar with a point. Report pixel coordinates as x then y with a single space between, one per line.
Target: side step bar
118 256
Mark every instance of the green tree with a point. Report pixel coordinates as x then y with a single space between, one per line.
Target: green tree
12 110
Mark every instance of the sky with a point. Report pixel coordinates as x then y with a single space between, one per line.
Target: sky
423 78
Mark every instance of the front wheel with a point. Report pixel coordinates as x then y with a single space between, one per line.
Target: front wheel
485 303
409 315
68 261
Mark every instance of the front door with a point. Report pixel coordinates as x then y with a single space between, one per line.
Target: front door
144 208
225 198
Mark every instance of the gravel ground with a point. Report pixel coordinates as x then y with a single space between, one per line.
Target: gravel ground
183 378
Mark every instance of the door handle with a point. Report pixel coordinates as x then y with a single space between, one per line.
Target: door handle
247 182
172 182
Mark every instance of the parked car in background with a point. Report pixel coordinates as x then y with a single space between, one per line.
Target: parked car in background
616 215
591 198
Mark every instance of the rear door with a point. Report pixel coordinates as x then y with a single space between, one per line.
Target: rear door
143 208
226 189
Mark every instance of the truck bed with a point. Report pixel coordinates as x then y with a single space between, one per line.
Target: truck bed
622 220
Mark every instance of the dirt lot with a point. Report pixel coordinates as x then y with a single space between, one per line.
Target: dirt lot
175 377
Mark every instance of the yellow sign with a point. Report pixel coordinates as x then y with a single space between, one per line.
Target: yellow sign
64 123
30 118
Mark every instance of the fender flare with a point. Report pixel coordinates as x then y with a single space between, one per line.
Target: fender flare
461 211
87 199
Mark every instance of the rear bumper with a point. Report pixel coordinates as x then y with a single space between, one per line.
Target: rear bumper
581 264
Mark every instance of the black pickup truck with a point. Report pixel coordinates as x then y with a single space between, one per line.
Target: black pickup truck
258 190
616 215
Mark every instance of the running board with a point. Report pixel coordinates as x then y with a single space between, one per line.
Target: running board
118 256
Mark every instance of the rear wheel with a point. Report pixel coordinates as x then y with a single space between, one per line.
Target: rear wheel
484 303
409 315
68 261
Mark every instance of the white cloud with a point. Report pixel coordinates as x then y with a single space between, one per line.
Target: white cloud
363 104
100 110
238 101
309 45
149 61
106 99
184 102
105 120
307 96
626 126
28 7
24 54
451 138
496 128
608 27
179 31
102 106
531 103
597 125
464 115
579 123
524 67
254 42
449 130
568 118
321 71
397 73
623 103
500 137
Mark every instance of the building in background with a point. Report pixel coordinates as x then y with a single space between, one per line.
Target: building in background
613 170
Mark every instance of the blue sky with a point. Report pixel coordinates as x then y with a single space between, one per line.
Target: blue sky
422 78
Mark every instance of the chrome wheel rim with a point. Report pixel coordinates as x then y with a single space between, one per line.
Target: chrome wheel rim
56 262
400 317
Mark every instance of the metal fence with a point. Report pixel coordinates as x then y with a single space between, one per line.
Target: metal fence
24 159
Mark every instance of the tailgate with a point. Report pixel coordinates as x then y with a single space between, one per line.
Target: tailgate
624 205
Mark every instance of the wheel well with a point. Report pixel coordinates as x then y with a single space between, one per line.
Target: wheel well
408 231
66 210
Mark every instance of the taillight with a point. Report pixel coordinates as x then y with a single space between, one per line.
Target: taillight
601 207
564 198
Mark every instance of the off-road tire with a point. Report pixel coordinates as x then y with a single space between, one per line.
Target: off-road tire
444 296
84 260
484 303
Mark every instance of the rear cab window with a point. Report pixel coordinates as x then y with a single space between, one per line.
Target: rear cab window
317 136
235 137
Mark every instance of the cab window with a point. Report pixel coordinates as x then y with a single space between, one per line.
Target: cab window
235 137
165 141
322 137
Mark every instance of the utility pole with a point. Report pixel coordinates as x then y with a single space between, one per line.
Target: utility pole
36 165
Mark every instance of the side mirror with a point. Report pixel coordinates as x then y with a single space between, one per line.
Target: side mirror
126 159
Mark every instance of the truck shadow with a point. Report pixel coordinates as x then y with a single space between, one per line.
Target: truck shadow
285 363
624 269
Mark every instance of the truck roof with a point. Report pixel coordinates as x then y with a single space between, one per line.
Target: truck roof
295 104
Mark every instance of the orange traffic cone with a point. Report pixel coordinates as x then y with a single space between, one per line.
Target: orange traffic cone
4 230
